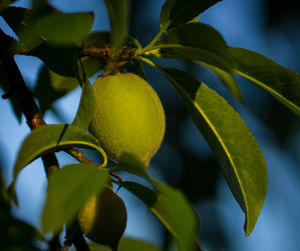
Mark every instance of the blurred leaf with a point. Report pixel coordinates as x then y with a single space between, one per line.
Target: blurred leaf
177 215
194 41
7 89
15 18
5 3
60 59
280 82
118 16
86 106
175 12
16 234
129 244
68 190
51 138
145 194
97 247
103 218
227 79
230 139
51 86
60 28
131 164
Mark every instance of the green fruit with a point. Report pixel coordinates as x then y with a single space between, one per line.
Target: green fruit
128 118
103 218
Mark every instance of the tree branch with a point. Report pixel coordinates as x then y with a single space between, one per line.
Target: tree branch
32 114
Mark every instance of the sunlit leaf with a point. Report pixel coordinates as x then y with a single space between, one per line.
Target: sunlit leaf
175 12
117 11
194 41
227 79
51 138
230 139
280 82
68 190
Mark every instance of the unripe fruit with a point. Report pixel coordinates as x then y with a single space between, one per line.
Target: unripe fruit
128 118
103 218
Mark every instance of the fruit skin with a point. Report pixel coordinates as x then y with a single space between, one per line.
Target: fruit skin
103 218
128 118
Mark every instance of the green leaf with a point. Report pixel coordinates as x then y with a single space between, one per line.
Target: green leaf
230 139
5 3
280 82
51 138
86 106
60 28
177 215
129 244
194 41
68 190
129 163
51 86
13 99
227 79
145 194
175 12
118 16
60 59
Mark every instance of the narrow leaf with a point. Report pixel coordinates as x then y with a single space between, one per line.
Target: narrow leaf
117 11
127 244
51 138
147 195
227 79
86 106
280 82
194 41
228 136
175 12
177 215
60 59
68 190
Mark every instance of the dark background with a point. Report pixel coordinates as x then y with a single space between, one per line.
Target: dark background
184 160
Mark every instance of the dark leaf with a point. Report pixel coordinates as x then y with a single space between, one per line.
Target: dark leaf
194 41
129 244
68 190
60 59
118 16
175 12
145 194
280 82
227 79
86 106
177 215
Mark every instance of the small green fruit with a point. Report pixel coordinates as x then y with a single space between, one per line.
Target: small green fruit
129 117
103 218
